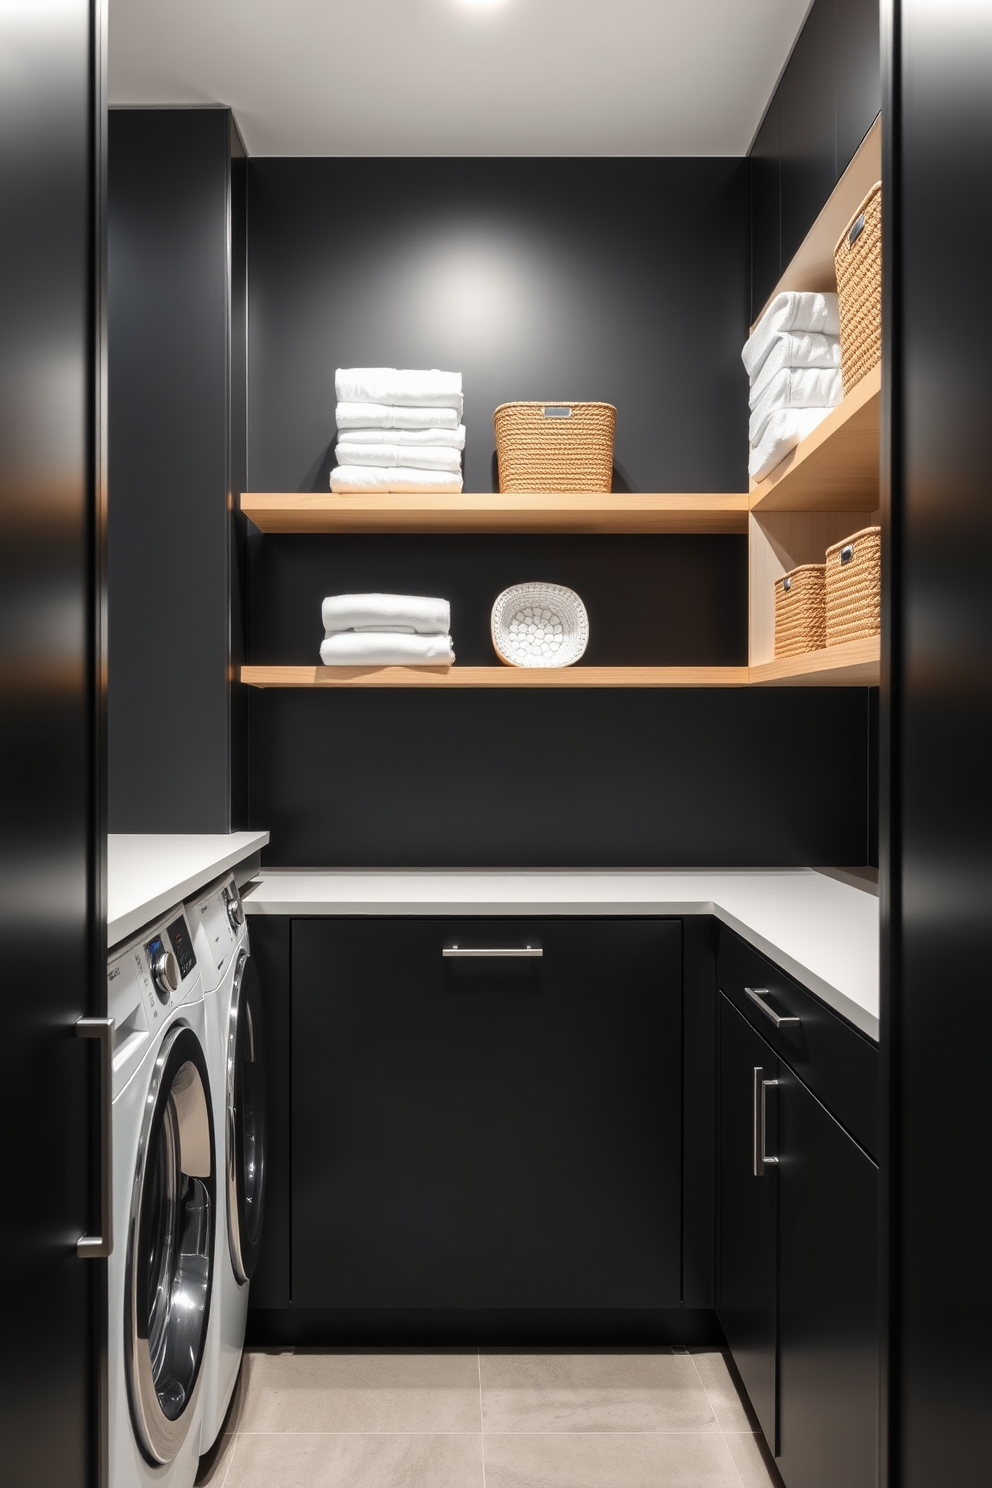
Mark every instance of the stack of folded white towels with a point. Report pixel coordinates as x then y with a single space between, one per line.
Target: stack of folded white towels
398 430
386 630
793 360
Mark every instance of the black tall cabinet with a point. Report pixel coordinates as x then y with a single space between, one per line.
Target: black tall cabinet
51 782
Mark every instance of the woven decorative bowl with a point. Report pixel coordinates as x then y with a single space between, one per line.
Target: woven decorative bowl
539 625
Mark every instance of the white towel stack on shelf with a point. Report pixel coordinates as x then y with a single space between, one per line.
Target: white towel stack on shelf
386 630
398 430
793 360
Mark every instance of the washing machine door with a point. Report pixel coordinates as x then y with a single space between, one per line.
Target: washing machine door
170 1248
246 1120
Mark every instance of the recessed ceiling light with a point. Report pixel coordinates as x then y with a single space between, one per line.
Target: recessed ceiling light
482 4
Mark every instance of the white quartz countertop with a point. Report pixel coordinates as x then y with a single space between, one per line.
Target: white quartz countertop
822 931
148 873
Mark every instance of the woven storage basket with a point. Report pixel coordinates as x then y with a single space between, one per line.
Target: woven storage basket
539 625
555 446
854 603
800 616
858 262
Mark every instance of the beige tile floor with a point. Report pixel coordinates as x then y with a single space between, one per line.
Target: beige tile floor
663 1419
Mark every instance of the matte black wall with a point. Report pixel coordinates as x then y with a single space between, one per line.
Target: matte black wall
171 465
936 727
620 280
825 103
52 911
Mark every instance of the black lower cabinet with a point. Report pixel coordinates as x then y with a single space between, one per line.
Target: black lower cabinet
797 1268
486 1132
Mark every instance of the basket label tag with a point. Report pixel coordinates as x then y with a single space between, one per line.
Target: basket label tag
846 554
787 585
557 413
857 228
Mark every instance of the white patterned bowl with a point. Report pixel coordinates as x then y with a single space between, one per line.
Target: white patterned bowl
539 625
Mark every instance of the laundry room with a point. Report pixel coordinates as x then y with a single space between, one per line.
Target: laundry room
495 552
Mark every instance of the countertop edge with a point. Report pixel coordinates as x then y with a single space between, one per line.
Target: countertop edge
125 924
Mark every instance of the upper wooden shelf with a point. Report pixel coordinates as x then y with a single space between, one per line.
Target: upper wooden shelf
851 664
812 265
620 512
836 468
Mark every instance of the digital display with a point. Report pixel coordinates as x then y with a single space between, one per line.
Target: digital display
183 946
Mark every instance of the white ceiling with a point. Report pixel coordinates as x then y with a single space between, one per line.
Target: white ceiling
451 77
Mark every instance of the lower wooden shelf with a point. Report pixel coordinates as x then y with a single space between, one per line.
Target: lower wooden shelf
493 676
853 664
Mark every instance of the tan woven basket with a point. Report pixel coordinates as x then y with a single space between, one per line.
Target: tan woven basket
858 262
555 446
800 617
854 599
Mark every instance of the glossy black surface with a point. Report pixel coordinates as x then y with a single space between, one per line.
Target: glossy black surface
491 1133
170 364
825 103
747 1240
634 778
828 1296
541 1329
936 731
840 1063
51 827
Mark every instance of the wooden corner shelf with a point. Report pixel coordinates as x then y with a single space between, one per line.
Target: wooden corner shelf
493 676
851 664
836 468
619 512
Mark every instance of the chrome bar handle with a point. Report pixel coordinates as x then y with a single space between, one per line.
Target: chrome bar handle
468 952
761 1159
98 1247
757 996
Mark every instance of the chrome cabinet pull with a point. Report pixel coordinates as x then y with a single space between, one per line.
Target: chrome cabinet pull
761 1159
757 996
468 952
98 1247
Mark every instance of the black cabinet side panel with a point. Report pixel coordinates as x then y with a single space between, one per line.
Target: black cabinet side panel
936 736
415 778
270 949
699 1103
169 352
52 834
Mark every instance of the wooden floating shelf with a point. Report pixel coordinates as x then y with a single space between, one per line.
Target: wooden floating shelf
851 664
836 468
622 512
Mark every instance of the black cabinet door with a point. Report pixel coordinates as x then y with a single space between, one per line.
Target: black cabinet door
828 1298
494 1133
747 1250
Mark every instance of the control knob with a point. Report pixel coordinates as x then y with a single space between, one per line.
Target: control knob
165 973
235 909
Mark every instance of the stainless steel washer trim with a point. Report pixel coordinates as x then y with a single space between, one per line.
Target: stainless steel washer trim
188 1134
233 1217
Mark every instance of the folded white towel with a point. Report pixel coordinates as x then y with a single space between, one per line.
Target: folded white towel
345 648
418 457
401 479
390 416
795 349
410 387
418 613
803 387
782 433
409 438
794 310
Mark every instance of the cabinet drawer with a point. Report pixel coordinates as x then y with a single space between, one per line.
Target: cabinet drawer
838 1064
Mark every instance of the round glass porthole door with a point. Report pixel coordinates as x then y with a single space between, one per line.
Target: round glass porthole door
245 1120
170 1248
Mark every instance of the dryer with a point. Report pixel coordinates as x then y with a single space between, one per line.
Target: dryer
233 1018
161 1269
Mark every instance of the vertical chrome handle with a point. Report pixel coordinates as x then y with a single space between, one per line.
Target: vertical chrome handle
98 1247
760 1158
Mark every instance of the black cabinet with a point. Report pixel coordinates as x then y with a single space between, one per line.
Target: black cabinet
486 1133
797 1268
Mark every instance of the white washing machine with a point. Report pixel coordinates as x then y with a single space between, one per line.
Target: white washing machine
236 1061
161 1270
